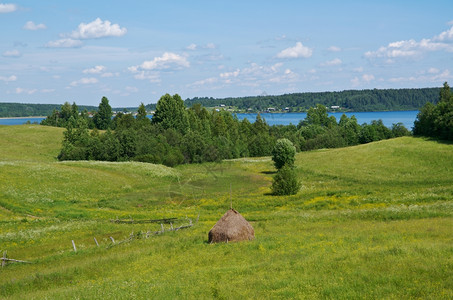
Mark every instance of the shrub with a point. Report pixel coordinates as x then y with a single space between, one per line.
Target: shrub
283 153
286 182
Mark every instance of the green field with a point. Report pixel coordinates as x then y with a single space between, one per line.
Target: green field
371 221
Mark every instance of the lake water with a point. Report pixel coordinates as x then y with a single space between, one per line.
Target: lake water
20 121
387 117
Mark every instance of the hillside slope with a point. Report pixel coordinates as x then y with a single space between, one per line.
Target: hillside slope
370 221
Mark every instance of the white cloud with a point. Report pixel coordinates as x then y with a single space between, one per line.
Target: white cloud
364 79
97 29
334 49
25 91
7 7
411 48
90 80
367 77
206 81
166 61
32 26
64 43
296 52
445 36
434 75
11 53
94 70
131 89
358 69
110 74
8 79
230 74
153 77
333 62
355 81
192 47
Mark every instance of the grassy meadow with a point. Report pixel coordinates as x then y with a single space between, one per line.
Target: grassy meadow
371 221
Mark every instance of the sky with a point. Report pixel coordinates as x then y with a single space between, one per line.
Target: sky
137 51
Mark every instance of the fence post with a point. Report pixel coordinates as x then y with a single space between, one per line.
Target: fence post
4 259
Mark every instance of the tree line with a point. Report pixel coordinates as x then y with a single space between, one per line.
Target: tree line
177 135
351 100
436 120
31 110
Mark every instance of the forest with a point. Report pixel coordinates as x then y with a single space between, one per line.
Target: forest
177 135
9 110
436 120
351 100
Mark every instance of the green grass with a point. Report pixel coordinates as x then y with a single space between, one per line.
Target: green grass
372 221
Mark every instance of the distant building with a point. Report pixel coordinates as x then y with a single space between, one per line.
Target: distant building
335 107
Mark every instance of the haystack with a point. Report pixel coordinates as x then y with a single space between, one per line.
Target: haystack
232 227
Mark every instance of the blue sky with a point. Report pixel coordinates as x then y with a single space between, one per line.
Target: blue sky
136 51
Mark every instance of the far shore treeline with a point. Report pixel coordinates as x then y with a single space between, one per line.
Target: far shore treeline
177 134
351 100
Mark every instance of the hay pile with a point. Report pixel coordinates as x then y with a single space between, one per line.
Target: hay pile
232 227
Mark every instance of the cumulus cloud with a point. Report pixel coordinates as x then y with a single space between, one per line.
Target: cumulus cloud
192 47
94 70
412 48
445 36
8 79
166 61
131 89
298 51
11 53
110 74
25 91
333 62
364 79
32 26
253 75
334 49
7 7
97 29
90 80
64 43
431 75
230 74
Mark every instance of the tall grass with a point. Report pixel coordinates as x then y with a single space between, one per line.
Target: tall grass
372 221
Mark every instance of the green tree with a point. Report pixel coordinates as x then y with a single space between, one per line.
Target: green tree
103 117
171 113
286 182
284 153
141 113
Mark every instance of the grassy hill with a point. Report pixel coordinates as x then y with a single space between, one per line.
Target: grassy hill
371 221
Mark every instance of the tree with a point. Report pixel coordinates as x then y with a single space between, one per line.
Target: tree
437 120
286 182
103 118
171 113
283 153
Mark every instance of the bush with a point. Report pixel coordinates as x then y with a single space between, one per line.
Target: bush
283 153
286 182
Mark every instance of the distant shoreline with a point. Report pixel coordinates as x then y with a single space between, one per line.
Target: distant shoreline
9 118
